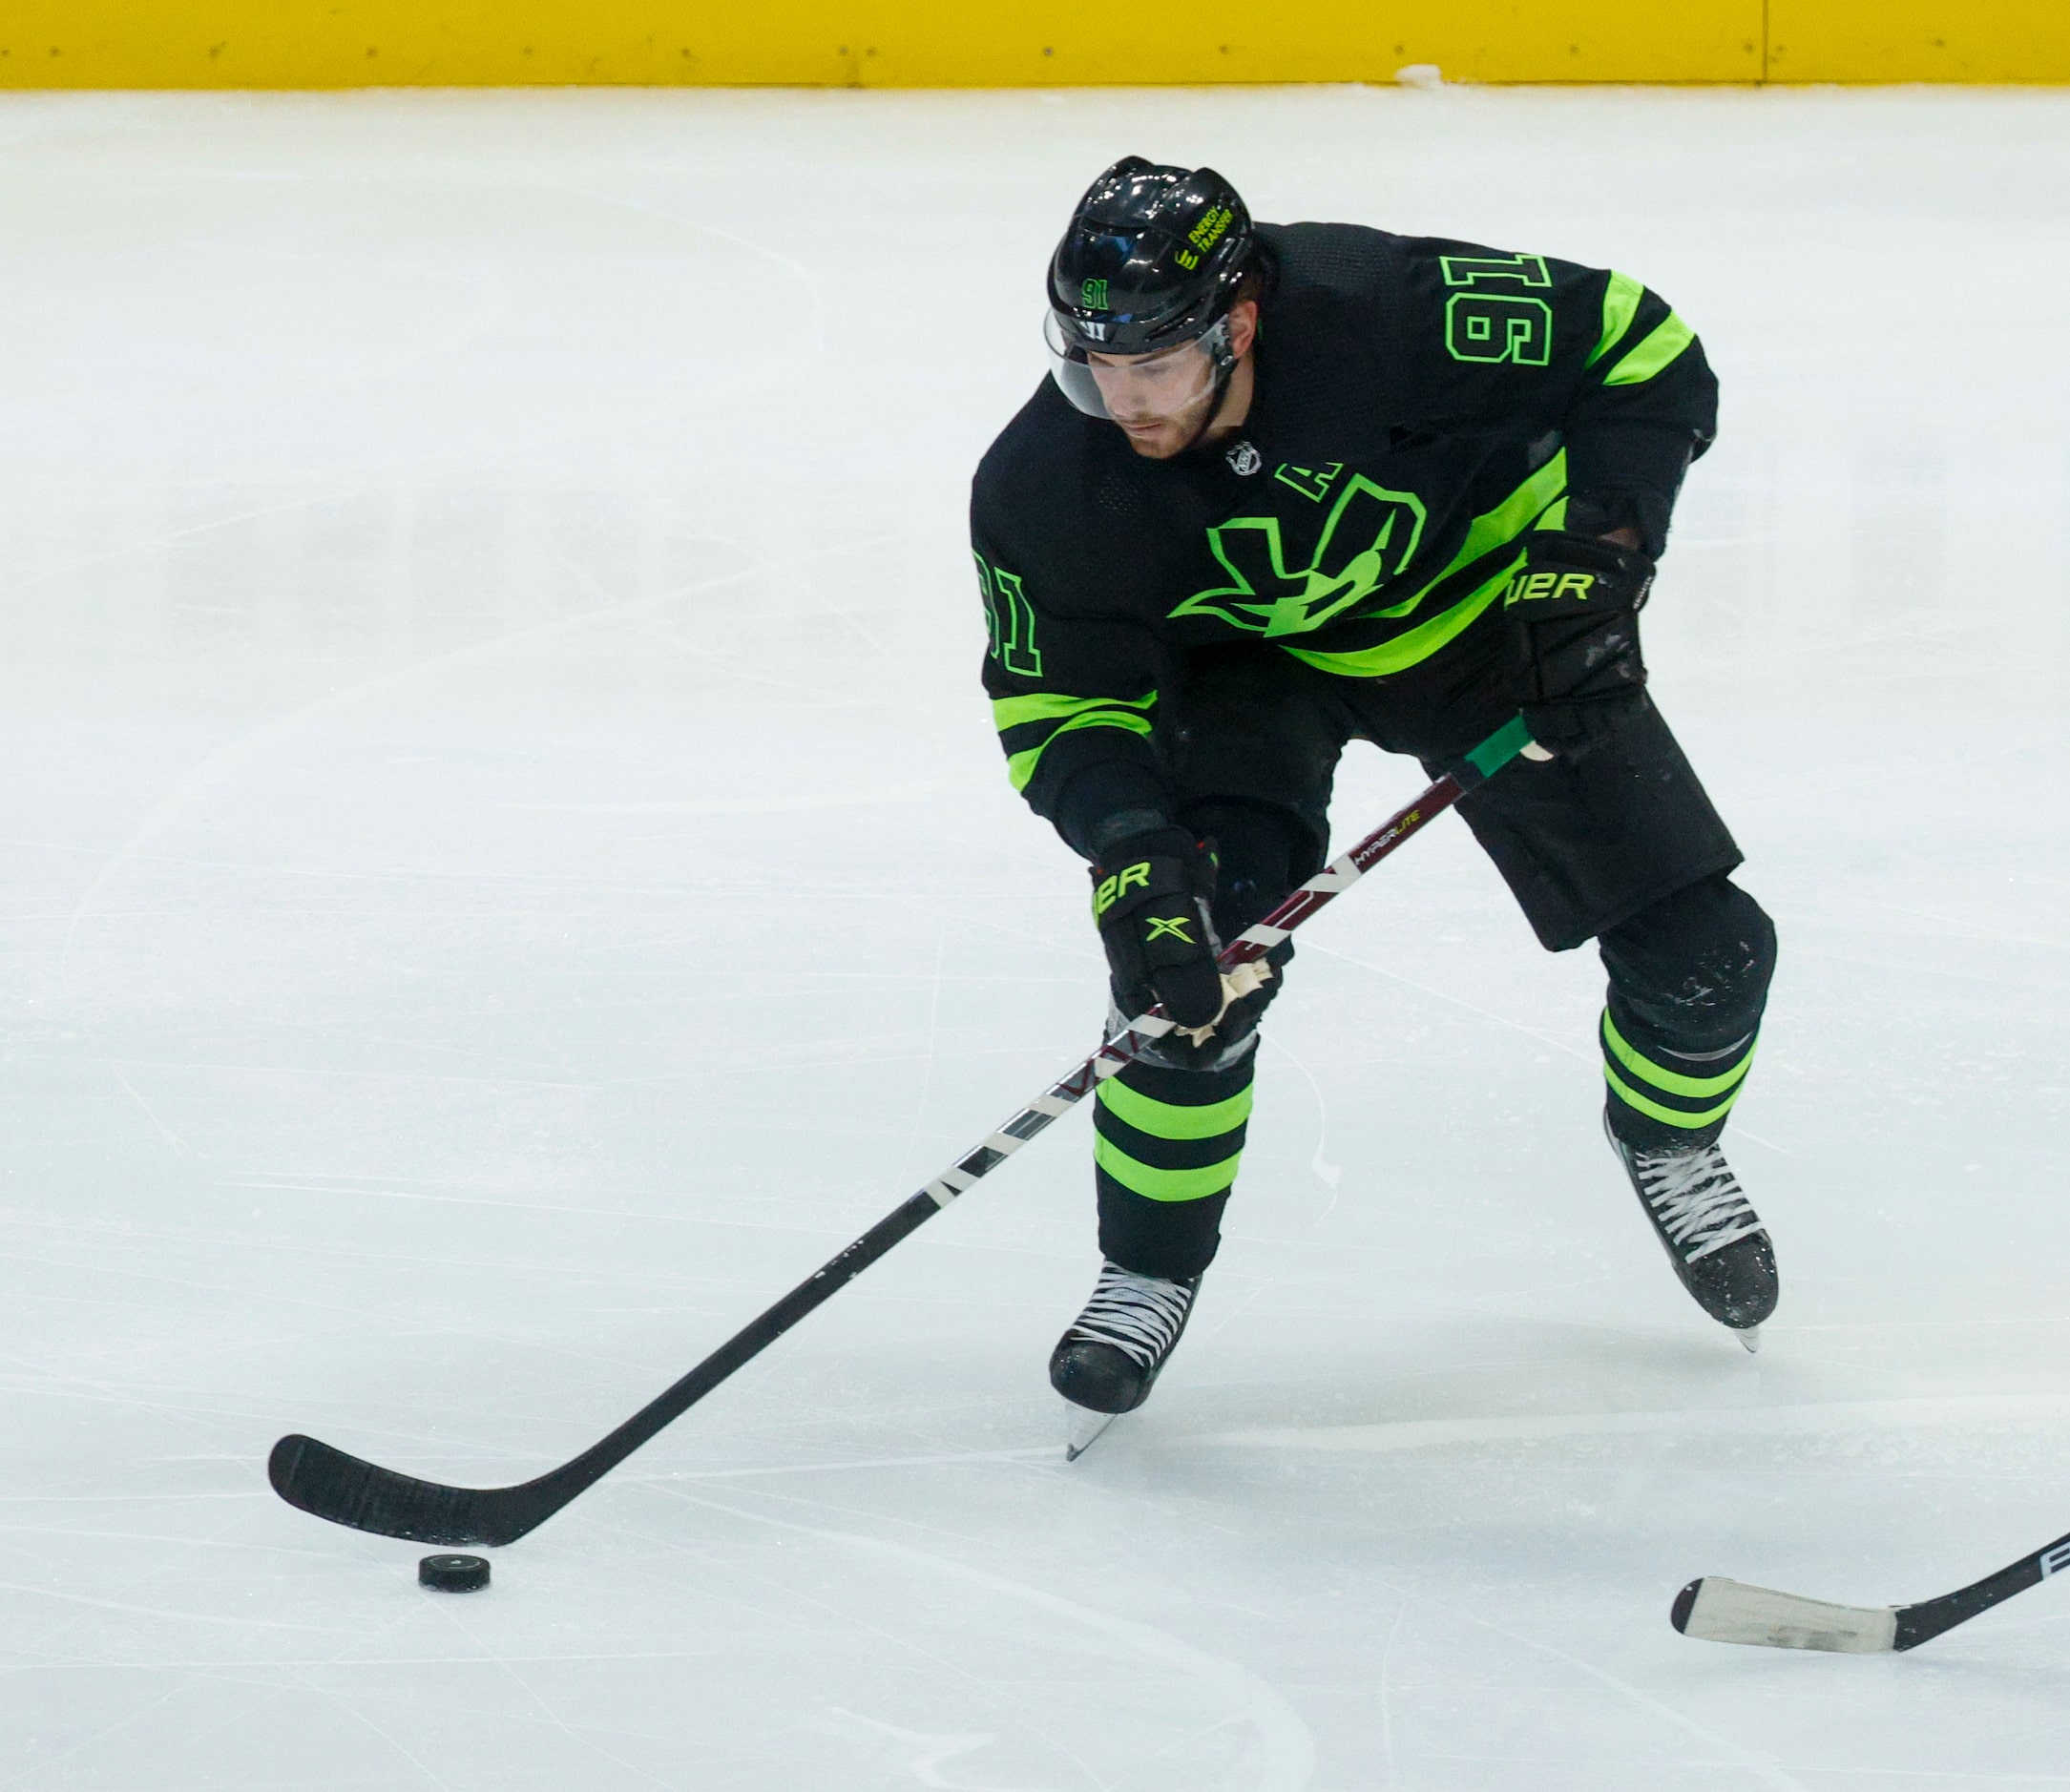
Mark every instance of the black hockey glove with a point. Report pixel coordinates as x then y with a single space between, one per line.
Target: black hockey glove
1150 896
1574 620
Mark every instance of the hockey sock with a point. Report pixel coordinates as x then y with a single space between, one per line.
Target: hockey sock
1165 1151
1688 982
1660 1098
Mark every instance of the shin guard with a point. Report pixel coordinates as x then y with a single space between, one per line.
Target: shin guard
1688 984
1167 1144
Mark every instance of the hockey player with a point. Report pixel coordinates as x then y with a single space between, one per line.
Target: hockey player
1292 485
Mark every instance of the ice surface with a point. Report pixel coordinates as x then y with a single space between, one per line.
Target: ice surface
506 869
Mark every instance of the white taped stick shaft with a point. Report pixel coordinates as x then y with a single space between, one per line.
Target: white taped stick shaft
1732 1611
946 1187
1336 877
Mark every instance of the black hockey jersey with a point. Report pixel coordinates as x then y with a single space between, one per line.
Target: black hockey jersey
1420 406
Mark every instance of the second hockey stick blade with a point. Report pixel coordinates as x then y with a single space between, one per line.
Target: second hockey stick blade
1718 1610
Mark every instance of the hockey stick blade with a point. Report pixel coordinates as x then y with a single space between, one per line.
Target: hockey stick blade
328 1482
1718 1610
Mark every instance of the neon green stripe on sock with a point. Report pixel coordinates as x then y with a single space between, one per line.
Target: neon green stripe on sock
1672 1082
1667 1116
1168 1119
1163 1185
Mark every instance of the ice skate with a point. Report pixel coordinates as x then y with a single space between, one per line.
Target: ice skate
1082 1426
1109 1358
1709 1230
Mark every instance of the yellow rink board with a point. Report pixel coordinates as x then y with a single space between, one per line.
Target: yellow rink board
1918 41
1016 43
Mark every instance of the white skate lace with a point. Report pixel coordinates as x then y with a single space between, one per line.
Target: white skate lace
1699 1202
1139 1316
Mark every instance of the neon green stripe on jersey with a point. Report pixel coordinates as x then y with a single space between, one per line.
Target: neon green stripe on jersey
1020 767
1420 642
1009 712
1168 1119
1500 526
1510 518
1656 352
1619 306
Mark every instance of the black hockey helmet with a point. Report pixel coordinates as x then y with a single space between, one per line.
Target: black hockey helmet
1151 260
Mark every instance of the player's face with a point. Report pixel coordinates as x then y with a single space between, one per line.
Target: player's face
1160 401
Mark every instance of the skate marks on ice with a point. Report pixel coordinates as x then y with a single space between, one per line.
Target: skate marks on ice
1425 1620
797 803
1809 1419
1279 1757
922 1755
220 769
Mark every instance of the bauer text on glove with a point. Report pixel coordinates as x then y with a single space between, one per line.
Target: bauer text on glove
1572 615
1150 895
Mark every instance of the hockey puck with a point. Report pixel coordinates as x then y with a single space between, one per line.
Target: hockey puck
453 1574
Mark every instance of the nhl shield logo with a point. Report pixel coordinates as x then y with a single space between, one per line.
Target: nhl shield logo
1244 460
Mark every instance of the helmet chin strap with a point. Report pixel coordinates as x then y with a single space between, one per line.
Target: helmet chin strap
1217 344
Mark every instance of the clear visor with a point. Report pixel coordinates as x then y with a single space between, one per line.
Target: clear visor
1134 388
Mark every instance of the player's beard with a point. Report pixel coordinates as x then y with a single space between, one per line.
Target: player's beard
1162 438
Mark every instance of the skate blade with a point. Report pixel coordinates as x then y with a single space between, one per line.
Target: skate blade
1084 1426
1751 1338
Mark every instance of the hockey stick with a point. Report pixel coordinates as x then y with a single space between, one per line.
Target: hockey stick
1718 1610
347 1491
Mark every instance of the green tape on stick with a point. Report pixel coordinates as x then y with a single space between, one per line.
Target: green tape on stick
1499 749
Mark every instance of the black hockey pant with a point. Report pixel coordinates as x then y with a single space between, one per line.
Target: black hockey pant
1619 844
